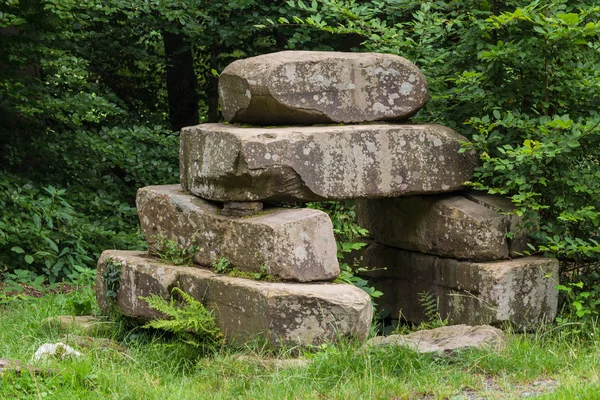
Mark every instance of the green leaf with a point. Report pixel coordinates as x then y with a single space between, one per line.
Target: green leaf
28 259
17 249
569 19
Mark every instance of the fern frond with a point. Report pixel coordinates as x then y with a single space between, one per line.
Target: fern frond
189 320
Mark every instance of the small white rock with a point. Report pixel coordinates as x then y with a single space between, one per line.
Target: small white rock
55 350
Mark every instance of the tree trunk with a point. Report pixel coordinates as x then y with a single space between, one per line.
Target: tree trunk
213 88
181 81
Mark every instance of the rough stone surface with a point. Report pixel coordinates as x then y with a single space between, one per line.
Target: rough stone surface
86 324
310 87
520 291
276 363
229 163
444 225
241 208
293 244
8 366
244 309
446 339
517 226
94 343
55 350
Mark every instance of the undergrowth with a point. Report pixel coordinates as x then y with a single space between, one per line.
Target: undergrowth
188 319
433 318
171 252
154 366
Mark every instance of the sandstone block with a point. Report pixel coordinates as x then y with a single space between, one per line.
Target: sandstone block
241 208
315 87
86 324
517 226
244 309
444 225
521 291
292 244
446 339
229 163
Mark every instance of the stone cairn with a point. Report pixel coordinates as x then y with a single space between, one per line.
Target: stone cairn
428 232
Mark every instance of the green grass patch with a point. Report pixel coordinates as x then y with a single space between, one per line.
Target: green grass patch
154 365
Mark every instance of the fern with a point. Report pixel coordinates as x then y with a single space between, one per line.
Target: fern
430 304
190 321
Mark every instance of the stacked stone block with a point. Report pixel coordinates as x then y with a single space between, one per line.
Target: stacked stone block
405 176
457 248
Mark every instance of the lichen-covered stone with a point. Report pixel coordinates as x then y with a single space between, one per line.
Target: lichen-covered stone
291 244
520 291
312 87
446 339
229 163
244 309
443 225
517 244
85 324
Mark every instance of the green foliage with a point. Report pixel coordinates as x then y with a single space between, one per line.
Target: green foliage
347 233
172 252
430 304
261 275
530 363
350 275
581 300
520 79
111 276
78 134
222 265
189 320
343 218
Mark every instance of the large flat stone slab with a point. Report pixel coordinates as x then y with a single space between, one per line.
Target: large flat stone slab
446 339
230 163
520 291
444 225
316 87
292 244
244 309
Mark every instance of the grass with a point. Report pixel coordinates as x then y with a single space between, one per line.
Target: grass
153 367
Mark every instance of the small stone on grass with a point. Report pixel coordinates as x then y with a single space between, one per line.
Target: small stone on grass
446 340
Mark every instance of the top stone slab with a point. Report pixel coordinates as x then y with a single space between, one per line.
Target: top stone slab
316 87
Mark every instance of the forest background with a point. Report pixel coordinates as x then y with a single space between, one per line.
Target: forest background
93 94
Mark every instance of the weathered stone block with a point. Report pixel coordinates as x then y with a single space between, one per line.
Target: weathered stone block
292 244
443 225
315 87
86 324
521 291
229 163
244 309
446 339
518 243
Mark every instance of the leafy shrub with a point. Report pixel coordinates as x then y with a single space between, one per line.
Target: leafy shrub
580 299
72 151
347 233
